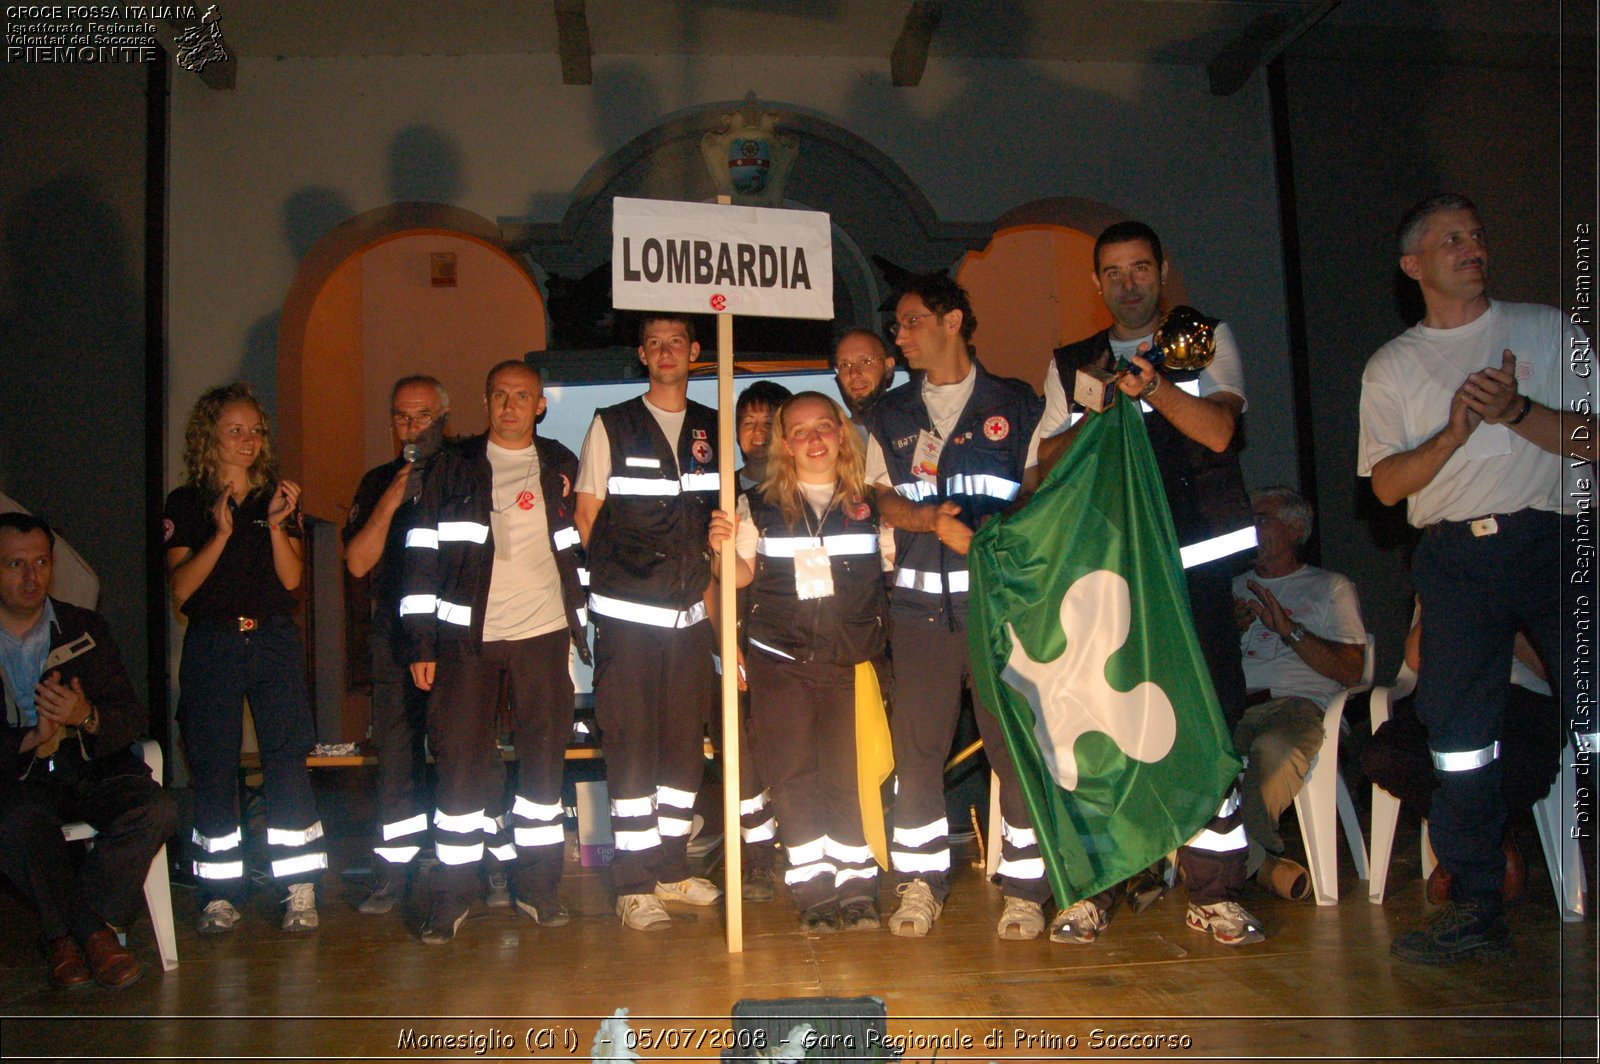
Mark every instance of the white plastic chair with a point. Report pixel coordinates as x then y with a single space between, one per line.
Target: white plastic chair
1553 815
1385 806
157 888
1323 800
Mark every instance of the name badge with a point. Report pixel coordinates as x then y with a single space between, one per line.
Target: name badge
813 575
925 462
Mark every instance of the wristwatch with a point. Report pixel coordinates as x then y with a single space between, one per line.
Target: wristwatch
1297 633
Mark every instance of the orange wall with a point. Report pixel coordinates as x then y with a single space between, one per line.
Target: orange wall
455 334
1032 292
331 453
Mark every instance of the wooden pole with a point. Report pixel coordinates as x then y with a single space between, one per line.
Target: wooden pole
727 448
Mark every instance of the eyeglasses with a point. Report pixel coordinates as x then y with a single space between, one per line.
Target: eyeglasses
421 421
844 369
909 322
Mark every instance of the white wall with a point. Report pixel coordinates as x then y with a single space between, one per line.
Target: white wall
260 172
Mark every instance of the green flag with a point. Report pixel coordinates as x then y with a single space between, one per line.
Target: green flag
1083 646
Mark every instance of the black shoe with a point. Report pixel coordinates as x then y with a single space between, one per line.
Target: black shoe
822 919
443 921
1456 931
859 914
497 892
384 897
759 884
546 913
1146 888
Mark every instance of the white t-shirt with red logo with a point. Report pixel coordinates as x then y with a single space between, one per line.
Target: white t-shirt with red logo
525 597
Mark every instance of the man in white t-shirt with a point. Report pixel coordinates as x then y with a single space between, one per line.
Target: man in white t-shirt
647 483
490 593
1302 644
1479 417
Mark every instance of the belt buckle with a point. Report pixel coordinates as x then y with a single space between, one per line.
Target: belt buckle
247 624
1484 526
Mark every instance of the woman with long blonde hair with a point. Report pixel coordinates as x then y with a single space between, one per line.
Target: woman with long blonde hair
808 546
232 534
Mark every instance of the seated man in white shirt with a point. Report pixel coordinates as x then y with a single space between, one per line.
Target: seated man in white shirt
1302 643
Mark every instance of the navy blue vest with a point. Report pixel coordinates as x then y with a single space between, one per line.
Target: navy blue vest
1205 489
648 545
844 628
980 469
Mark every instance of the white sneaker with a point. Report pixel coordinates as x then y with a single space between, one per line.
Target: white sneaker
1023 920
217 917
917 911
300 908
1080 922
643 912
1228 921
692 891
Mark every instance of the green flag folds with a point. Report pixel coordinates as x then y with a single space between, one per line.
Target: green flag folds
1083 646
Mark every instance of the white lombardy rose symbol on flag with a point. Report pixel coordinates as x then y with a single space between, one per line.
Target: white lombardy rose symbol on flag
1070 695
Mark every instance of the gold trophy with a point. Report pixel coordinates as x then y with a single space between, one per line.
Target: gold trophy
1185 340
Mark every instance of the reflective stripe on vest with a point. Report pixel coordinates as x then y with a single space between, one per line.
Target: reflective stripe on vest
931 583
838 546
426 538
463 532
1209 550
982 484
657 616
917 490
1465 760
702 481
449 612
659 487
565 537
641 486
759 645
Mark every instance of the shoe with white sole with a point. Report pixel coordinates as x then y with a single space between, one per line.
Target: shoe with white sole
1022 921
300 908
217 917
918 909
643 912
1228 921
1080 922
692 891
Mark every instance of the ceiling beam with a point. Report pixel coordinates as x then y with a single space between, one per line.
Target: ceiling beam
572 27
910 55
1259 44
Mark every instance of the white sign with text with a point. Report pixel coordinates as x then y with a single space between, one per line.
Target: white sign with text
707 258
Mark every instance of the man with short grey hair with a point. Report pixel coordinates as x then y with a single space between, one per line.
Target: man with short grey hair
375 539
1302 642
1478 417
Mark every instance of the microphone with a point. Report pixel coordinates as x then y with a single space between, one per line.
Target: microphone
417 453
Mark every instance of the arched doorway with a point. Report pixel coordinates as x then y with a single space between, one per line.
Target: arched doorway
366 306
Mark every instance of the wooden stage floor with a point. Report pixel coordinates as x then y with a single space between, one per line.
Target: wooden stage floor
1322 987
